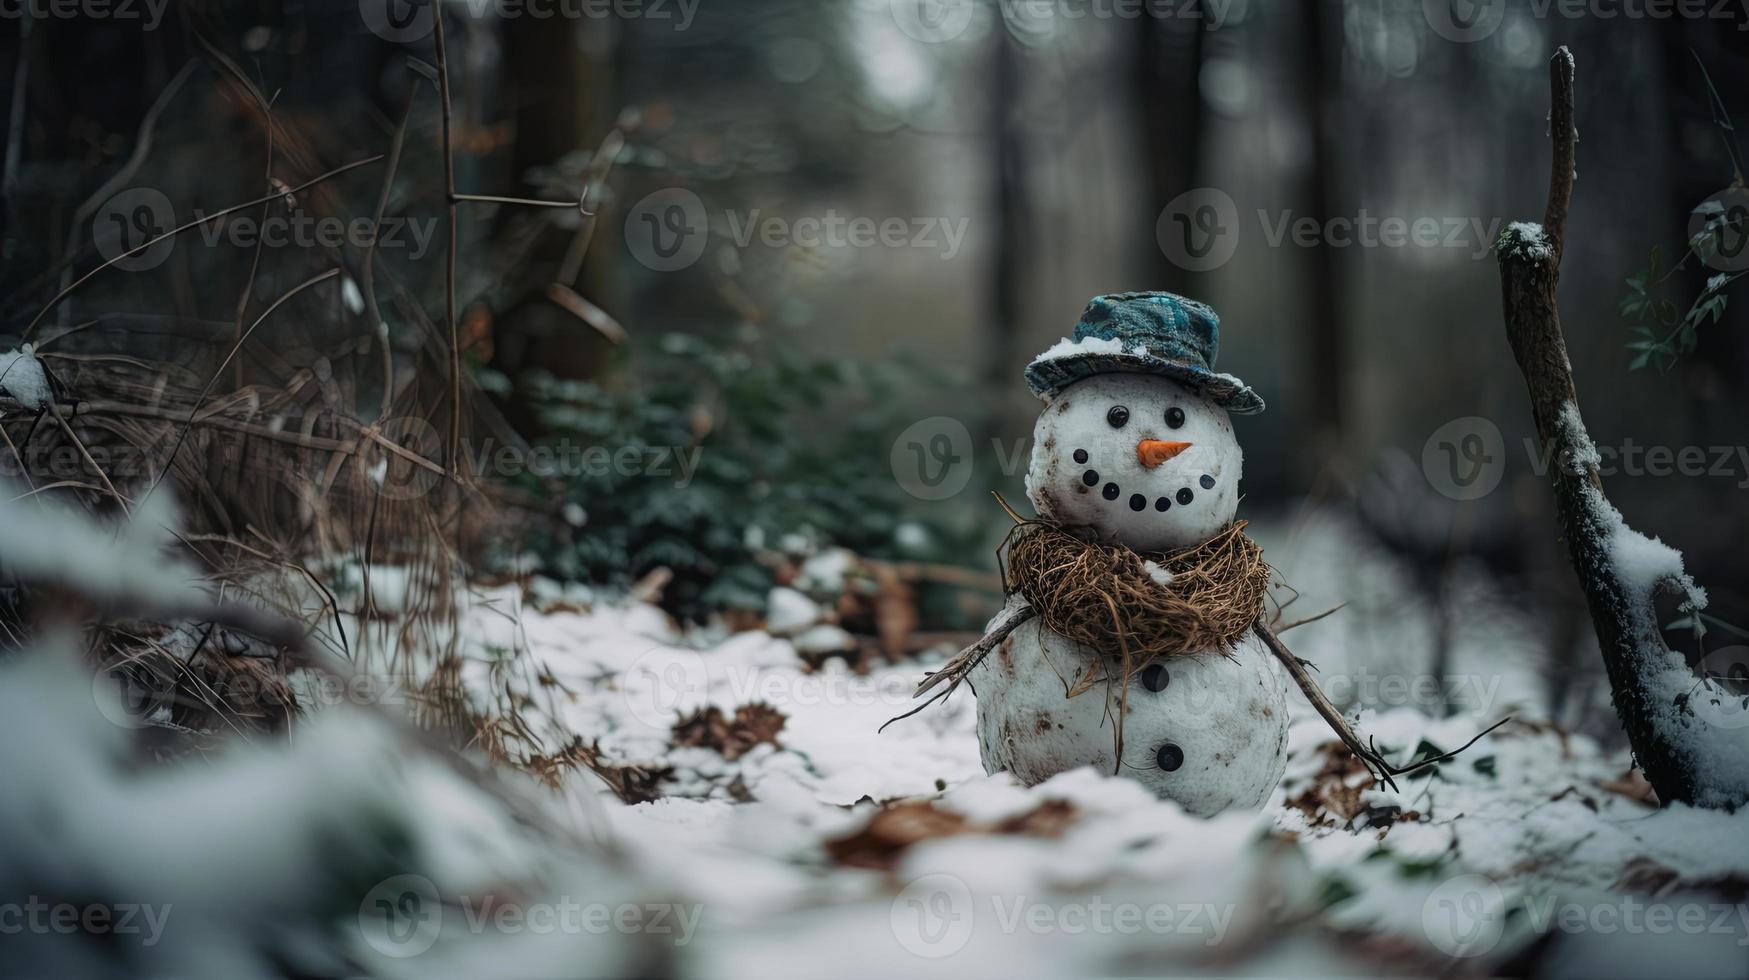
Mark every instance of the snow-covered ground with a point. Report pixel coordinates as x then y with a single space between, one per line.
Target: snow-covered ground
884 853
823 846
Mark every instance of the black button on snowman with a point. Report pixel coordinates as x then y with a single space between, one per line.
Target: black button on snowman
1135 445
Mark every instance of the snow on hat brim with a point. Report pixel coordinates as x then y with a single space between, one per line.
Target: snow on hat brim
1070 361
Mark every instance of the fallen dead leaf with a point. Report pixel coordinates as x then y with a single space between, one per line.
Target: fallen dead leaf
1335 793
1632 784
899 825
753 724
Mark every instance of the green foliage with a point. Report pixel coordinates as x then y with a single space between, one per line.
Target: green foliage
1661 335
1425 749
759 444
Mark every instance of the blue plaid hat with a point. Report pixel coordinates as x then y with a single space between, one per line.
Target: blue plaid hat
1144 333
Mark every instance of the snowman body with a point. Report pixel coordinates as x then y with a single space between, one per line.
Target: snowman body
1149 463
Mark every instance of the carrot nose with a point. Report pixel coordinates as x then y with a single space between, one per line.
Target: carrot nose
1152 452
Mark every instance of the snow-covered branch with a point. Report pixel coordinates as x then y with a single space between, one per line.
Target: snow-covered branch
1662 703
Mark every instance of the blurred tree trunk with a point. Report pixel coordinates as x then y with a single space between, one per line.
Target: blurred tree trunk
1007 149
559 78
1323 357
562 99
1169 105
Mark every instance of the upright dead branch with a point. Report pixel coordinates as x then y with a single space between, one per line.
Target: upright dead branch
453 457
1564 140
1667 739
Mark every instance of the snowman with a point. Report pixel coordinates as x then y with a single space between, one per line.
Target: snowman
1135 447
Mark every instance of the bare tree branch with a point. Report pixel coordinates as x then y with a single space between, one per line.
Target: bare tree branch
1635 654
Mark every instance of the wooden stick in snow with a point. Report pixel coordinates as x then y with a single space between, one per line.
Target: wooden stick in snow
1659 727
1320 703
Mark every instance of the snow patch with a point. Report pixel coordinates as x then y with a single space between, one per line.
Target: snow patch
1584 456
45 541
22 377
1068 347
1688 711
1525 240
789 611
825 573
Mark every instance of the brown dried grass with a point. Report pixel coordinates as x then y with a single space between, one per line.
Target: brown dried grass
278 424
1104 597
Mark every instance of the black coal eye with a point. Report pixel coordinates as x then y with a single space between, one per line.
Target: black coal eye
1175 417
1119 416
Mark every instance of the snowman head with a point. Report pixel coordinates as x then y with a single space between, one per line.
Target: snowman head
1142 459
1134 441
